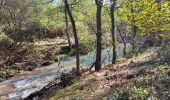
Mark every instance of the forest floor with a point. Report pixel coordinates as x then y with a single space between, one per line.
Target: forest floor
141 77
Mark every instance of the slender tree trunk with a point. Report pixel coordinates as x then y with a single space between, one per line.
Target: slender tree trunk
66 29
160 42
124 50
123 40
99 4
75 37
134 30
112 9
134 37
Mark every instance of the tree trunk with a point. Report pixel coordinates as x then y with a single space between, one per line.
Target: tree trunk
99 4
133 38
75 37
134 30
66 29
123 40
112 9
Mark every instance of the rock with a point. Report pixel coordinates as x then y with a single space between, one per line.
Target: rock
29 68
46 63
168 73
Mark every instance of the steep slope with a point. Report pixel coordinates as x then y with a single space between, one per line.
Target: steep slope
141 77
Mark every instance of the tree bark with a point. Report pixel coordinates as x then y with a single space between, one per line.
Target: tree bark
134 27
134 37
66 29
99 4
75 37
112 9
123 40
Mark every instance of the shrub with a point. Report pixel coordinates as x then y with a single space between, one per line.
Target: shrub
5 40
5 43
130 93
12 51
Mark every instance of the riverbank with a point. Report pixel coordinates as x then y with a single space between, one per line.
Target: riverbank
42 53
29 82
140 77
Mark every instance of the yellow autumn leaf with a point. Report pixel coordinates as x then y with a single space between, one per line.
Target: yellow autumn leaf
166 4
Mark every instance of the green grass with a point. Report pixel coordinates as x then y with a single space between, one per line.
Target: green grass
7 73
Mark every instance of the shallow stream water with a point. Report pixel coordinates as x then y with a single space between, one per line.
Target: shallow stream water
27 83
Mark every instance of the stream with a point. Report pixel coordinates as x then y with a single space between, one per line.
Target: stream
26 83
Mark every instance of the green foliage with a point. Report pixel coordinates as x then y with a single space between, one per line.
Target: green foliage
153 18
162 75
87 42
139 92
5 41
150 17
4 38
9 72
50 17
130 93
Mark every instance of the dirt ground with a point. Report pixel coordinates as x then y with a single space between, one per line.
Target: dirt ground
126 73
